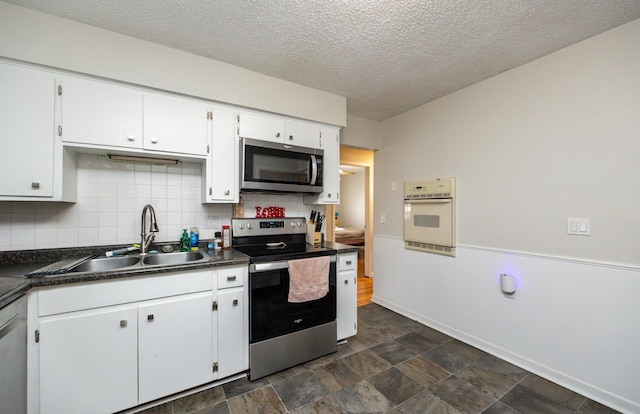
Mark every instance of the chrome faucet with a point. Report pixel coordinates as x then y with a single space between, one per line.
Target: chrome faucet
153 228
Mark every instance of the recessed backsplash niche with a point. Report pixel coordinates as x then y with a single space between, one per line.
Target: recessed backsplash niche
109 205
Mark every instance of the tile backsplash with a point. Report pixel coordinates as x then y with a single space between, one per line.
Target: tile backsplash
109 205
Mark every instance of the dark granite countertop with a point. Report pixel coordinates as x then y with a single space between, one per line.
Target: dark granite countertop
14 266
342 248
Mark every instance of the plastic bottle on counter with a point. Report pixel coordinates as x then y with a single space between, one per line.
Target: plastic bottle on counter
217 242
226 237
195 238
185 241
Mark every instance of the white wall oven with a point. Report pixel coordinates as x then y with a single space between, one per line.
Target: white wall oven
430 216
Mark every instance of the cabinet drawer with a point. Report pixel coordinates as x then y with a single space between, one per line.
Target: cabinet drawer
114 292
231 277
347 261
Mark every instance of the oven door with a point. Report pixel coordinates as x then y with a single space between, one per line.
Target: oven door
429 225
272 315
271 166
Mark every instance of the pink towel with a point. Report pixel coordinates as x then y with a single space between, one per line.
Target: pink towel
308 279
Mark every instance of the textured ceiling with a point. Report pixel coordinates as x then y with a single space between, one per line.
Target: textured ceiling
385 56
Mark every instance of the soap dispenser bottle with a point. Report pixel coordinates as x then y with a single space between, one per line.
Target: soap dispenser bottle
185 241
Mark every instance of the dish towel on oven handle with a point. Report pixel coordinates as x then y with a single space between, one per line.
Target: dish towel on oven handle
308 279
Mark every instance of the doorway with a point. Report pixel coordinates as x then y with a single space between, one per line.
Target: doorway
354 160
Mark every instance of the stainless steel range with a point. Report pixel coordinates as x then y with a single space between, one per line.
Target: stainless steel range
283 334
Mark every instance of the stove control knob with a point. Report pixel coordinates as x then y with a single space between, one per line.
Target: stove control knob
240 226
299 224
249 226
292 224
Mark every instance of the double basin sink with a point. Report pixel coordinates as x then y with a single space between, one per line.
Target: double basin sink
106 264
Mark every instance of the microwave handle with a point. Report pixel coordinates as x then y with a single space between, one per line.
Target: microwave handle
314 170
431 201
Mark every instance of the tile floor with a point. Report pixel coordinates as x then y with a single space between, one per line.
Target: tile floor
397 366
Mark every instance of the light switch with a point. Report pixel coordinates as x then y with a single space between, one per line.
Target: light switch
383 218
579 226
394 186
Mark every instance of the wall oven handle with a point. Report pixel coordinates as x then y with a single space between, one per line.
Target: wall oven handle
265 267
430 201
314 170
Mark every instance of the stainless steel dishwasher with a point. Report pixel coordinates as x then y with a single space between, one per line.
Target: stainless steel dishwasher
13 357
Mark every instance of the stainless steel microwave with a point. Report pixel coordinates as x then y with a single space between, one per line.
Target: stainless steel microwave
278 167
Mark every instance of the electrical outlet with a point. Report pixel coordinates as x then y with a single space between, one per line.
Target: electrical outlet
212 222
383 218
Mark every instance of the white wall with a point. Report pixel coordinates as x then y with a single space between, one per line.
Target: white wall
109 208
361 133
39 38
556 138
352 205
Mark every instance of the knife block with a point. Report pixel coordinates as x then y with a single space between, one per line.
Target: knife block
313 237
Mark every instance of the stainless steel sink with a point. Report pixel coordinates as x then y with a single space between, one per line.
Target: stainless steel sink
102 264
168 259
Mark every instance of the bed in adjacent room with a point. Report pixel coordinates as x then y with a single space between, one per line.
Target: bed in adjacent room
349 235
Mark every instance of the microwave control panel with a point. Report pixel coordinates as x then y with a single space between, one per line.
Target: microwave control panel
438 188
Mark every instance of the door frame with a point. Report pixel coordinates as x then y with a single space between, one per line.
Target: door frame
358 158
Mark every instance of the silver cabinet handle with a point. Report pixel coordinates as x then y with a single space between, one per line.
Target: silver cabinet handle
346 281
226 192
123 323
290 137
349 262
150 317
131 137
154 140
231 278
277 135
35 185
235 302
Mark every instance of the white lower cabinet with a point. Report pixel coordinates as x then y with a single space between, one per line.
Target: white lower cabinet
347 295
85 353
233 321
174 345
103 347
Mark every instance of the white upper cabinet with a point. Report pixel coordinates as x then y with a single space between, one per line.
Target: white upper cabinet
264 127
100 113
221 169
109 115
31 154
279 129
26 135
175 125
330 139
302 134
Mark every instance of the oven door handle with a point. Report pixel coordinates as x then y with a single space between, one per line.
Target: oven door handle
266 267
430 201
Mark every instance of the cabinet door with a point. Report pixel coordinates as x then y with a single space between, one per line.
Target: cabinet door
232 332
347 296
174 344
222 163
303 134
175 125
27 132
99 113
330 143
266 128
88 361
